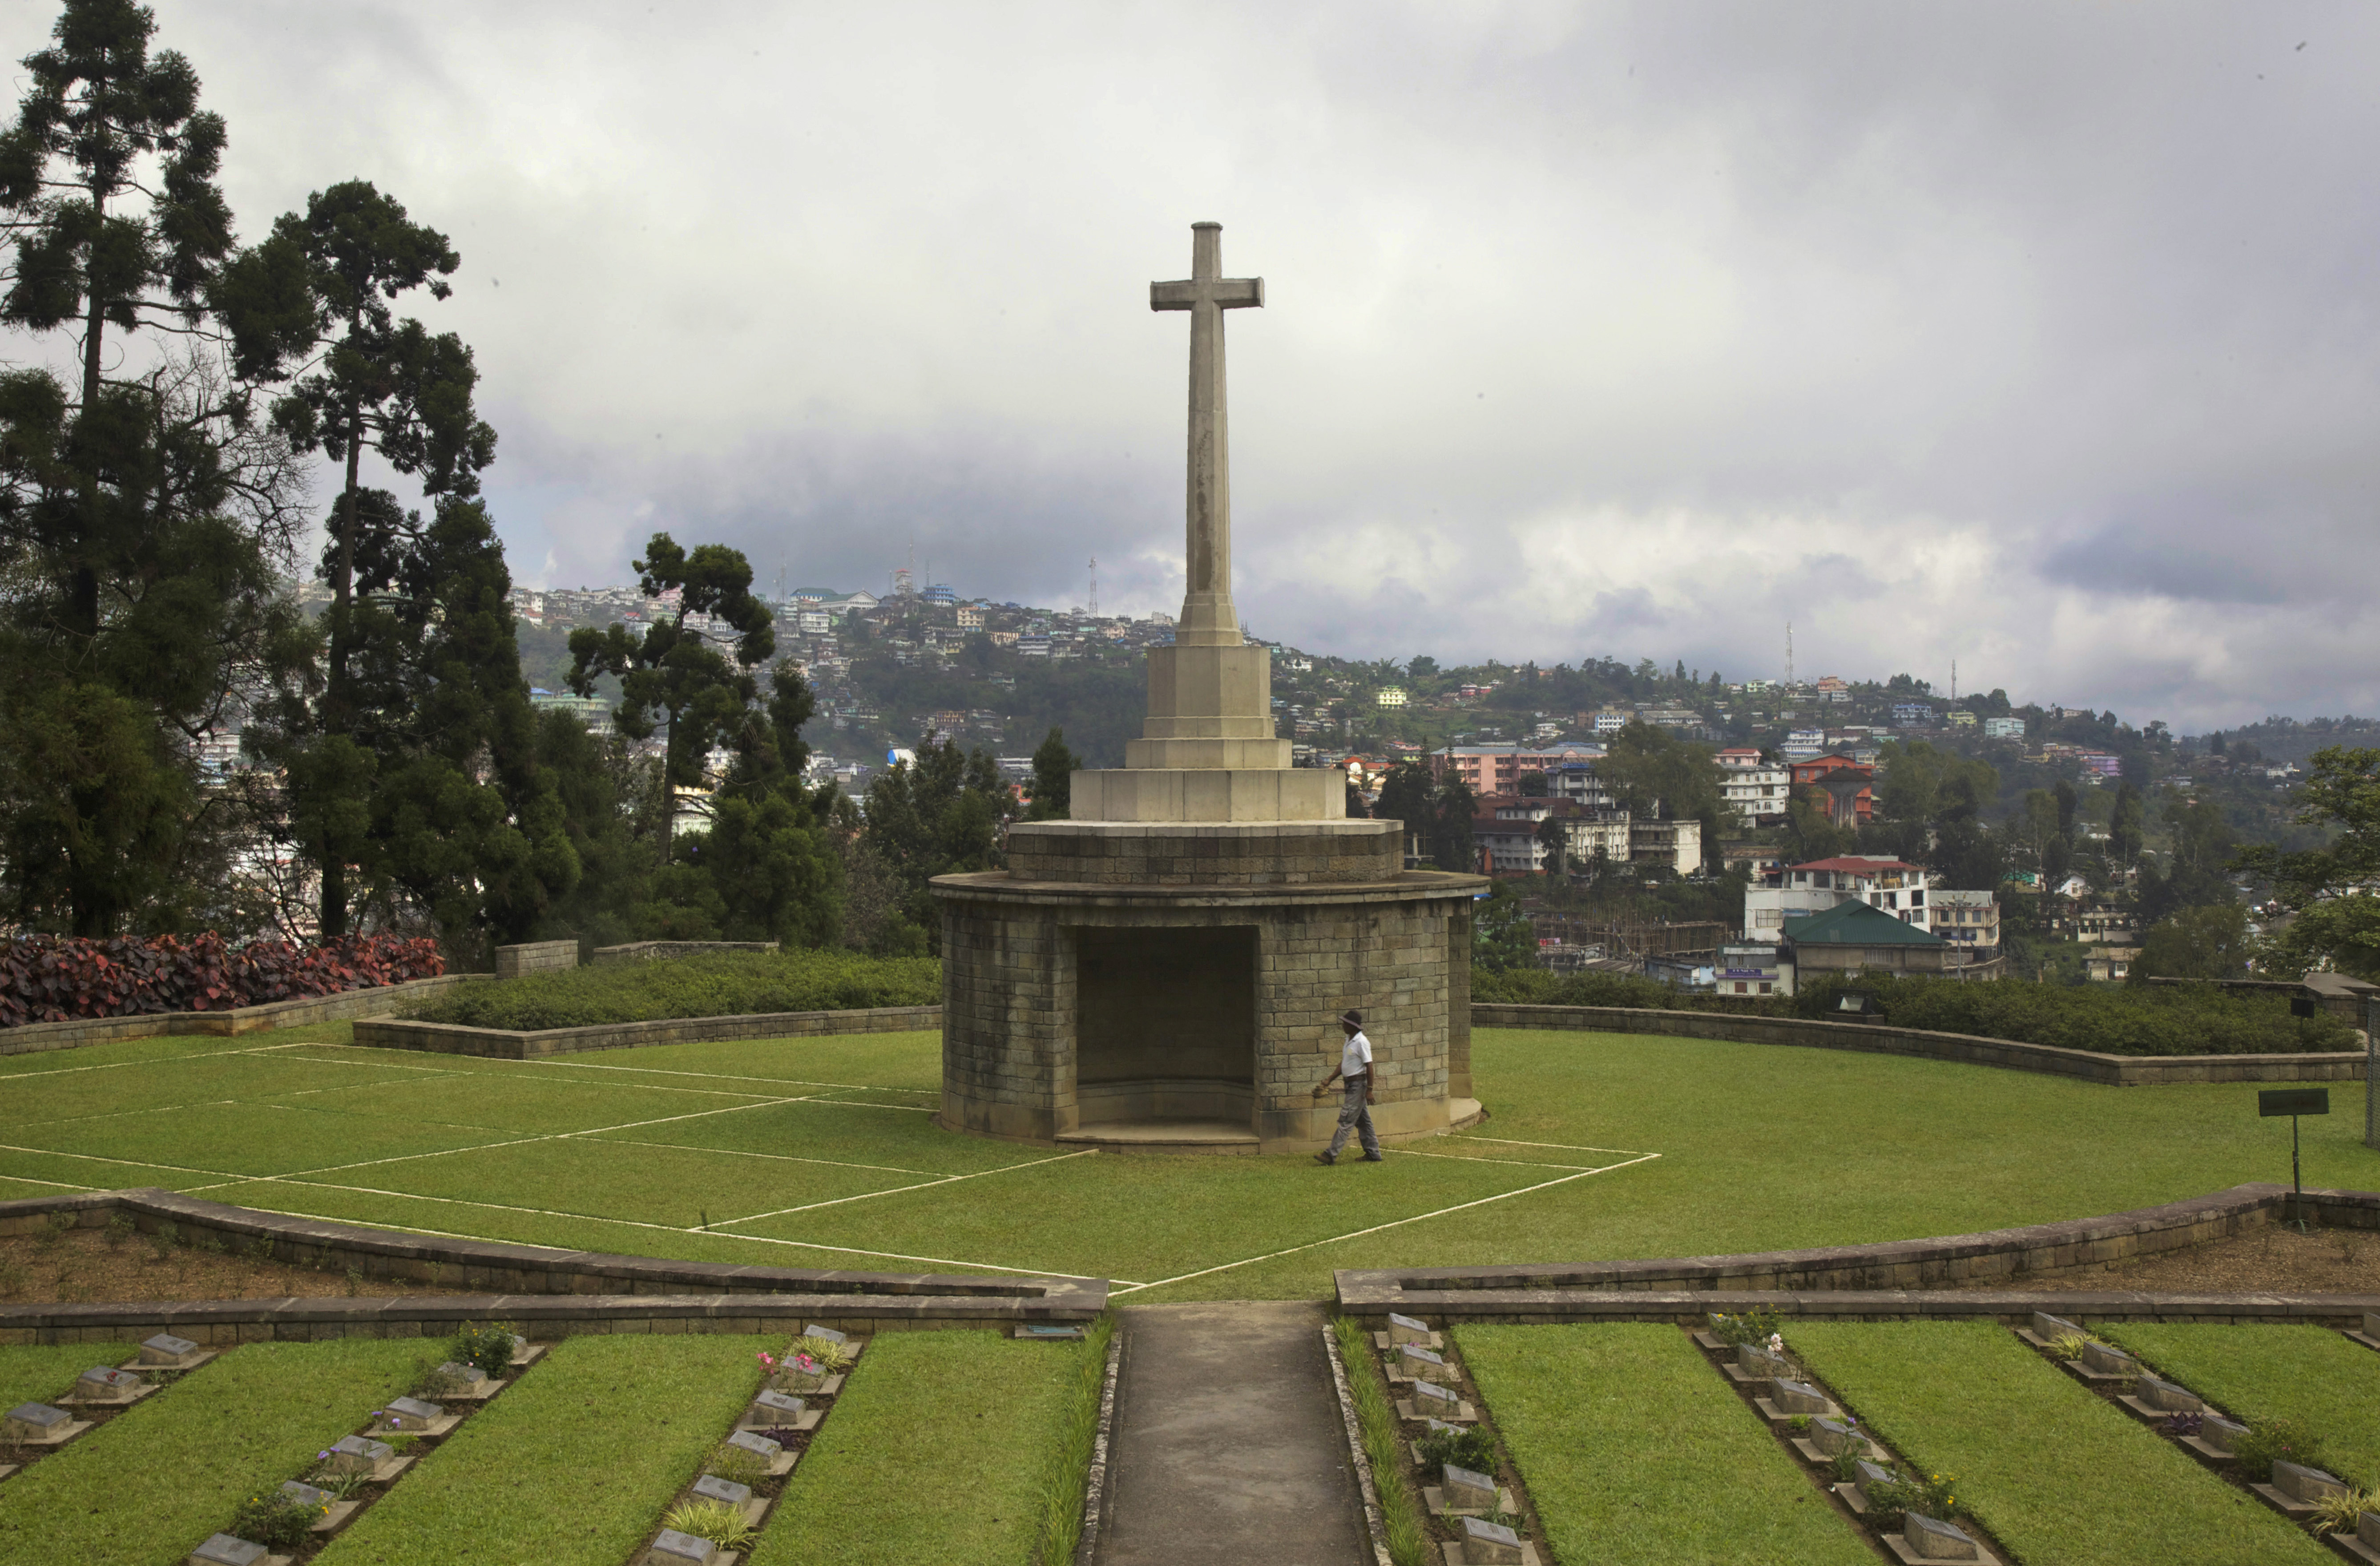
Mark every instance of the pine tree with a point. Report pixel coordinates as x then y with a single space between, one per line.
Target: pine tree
319 291
1052 791
141 515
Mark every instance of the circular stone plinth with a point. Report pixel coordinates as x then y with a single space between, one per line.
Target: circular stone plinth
1077 1005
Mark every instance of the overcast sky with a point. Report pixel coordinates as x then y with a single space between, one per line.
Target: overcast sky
2041 339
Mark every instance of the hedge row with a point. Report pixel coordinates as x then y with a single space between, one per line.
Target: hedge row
2179 1019
55 978
720 985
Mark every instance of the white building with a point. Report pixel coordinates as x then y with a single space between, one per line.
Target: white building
1756 794
1899 889
1801 744
2003 728
1390 695
1611 720
1966 919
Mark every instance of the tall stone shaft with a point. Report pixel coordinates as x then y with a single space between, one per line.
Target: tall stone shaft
1208 618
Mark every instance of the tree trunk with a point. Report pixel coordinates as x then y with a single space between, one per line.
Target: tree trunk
337 720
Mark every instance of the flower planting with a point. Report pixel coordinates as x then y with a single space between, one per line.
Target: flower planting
57 978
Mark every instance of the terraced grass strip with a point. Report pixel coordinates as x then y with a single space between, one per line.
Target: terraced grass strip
44 1372
1634 1450
2057 1473
572 1464
147 1487
2309 1374
1376 1415
937 1455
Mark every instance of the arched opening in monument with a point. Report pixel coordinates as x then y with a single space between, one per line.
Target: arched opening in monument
1165 1025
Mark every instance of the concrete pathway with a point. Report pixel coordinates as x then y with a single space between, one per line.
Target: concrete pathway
1228 1449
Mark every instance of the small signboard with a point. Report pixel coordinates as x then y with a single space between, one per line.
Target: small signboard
2293 1101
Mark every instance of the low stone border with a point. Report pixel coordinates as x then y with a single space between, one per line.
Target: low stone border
1891 1267
523 1276
1687 1306
453 1038
2114 1071
73 1034
656 951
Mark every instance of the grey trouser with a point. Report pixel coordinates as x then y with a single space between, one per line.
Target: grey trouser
1355 1116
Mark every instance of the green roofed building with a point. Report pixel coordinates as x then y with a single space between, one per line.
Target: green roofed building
1861 938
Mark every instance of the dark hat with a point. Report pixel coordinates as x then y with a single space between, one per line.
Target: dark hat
1352 1019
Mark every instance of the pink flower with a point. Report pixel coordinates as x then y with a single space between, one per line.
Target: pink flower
807 1363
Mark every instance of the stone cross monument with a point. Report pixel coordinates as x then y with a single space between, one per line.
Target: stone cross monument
1207 752
1165 971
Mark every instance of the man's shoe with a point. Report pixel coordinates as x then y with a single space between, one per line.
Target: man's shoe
1372 1158
1325 1158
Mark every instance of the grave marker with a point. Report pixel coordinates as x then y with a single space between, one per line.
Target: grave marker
673 1549
102 1385
2049 1329
1469 1491
1415 1361
1429 1398
2367 1529
2105 1360
467 1380
361 1454
711 1486
1865 1474
165 1352
2305 1486
224 1549
1832 1436
1754 1362
1799 1397
2221 1434
774 1410
412 1415
39 1425
1406 1330
2167 1398
1488 1544
1930 1540
304 1494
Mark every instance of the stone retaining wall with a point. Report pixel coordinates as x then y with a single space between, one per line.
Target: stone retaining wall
529 1284
2114 1071
1206 853
453 1038
658 950
2012 1308
34 1037
536 956
2007 1255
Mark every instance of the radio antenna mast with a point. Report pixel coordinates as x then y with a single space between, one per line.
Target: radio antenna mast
1093 609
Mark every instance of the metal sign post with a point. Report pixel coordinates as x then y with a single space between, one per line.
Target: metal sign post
2294 1103
2372 1071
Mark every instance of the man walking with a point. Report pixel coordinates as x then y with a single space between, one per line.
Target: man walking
1355 1108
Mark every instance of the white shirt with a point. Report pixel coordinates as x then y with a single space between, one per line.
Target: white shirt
1356 1058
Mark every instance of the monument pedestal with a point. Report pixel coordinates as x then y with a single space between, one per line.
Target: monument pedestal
1165 972
1176 988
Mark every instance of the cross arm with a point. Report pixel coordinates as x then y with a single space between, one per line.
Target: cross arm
1226 293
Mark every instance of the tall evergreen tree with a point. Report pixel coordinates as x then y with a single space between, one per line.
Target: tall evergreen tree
313 301
141 515
686 678
768 850
1052 790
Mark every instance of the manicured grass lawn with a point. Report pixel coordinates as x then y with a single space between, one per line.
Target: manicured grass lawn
2307 1373
2057 1473
1635 1450
574 1464
817 1152
934 1456
148 1488
44 1372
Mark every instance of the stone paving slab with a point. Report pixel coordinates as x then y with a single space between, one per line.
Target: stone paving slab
1228 1445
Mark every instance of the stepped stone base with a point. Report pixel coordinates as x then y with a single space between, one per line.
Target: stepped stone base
1218 794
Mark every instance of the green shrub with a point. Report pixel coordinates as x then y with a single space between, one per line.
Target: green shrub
1468 1445
726 985
2163 1019
275 1519
488 1345
2275 1440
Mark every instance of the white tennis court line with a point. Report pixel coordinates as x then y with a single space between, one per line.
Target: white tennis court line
781 1158
1514 1141
495 1061
629 1224
1465 1157
1377 1228
926 1185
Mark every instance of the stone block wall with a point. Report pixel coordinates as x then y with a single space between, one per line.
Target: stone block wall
537 956
1011 997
